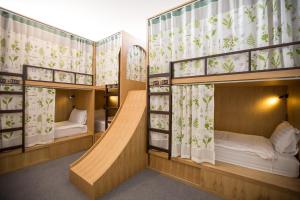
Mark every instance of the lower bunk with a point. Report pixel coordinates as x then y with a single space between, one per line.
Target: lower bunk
226 180
16 159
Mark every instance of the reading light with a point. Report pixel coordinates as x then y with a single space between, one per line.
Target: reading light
272 101
285 96
113 100
72 97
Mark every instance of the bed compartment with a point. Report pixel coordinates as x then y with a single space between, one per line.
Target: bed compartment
255 152
67 128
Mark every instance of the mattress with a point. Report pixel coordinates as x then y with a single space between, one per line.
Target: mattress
99 125
67 128
255 152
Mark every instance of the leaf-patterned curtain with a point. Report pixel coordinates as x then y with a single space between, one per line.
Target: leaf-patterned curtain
39 115
193 122
10 120
208 27
25 41
136 64
107 60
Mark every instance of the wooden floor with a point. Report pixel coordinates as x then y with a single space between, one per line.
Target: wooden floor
226 180
14 160
119 155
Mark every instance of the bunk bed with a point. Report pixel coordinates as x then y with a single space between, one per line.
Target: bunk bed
183 53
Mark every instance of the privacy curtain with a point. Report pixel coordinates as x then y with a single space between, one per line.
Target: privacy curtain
107 60
39 116
208 27
25 41
136 64
193 122
10 120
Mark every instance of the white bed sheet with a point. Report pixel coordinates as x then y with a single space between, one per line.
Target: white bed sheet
99 125
235 148
67 128
227 151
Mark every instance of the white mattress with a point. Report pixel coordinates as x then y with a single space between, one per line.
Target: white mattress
253 158
235 148
67 128
99 125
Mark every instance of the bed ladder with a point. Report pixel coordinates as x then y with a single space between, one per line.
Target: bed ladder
15 82
169 113
107 94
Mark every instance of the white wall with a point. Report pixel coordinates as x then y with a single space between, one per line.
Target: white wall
93 19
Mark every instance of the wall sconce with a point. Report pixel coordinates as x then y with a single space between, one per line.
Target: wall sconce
285 96
72 97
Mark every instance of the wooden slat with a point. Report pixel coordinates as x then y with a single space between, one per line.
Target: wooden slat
226 180
167 75
159 112
11 129
159 130
159 93
11 111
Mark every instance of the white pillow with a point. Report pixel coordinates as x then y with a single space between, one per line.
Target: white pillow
285 139
78 116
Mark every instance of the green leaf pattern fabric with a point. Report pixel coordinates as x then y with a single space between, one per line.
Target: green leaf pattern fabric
136 64
193 122
211 27
107 60
24 41
159 121
39 115
159 103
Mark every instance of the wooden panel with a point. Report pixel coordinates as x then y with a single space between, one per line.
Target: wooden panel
119 155
248 109
99 99
288 73
227 181
294 105
63 104
85 100
14 160
58 85
127 85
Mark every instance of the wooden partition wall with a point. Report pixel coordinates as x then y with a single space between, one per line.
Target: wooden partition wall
126 85
254 110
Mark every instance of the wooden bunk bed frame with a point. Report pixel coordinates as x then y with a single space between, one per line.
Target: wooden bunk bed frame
225 180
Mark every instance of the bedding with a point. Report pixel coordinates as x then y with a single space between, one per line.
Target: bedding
99 125
251 151
285 138
255 152
78 116
68 128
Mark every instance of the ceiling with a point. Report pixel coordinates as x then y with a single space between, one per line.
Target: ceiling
93 19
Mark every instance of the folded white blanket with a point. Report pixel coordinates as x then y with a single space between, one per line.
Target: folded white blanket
242 142
67 124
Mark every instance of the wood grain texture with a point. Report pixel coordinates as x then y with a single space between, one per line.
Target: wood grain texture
225 180
294 105
245 109
120 154
63 104
14 160
254 76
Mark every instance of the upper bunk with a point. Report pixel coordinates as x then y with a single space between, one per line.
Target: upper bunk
199 42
